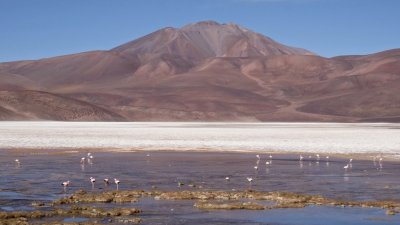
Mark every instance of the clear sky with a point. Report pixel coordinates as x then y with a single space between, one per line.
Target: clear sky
32 29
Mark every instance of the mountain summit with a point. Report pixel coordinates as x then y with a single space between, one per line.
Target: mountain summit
203 71
207 39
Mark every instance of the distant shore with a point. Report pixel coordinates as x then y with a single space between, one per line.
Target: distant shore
362 140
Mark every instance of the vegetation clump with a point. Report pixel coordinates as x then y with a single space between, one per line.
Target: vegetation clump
75 204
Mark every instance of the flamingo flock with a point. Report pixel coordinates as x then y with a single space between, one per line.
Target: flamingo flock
317 159
90 157
83 160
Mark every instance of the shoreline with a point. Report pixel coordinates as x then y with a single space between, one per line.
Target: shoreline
356 156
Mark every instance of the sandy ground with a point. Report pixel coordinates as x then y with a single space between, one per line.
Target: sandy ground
339 138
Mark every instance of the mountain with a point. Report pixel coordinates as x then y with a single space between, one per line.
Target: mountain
203 71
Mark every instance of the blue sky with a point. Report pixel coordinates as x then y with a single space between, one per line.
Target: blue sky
32 29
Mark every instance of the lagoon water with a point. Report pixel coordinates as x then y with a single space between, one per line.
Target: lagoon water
47 163
40 173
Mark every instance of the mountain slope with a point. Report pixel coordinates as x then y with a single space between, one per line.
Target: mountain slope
203 71
17 105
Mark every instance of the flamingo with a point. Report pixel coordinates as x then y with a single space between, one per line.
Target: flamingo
90 159
346 167
92 180
350 163
106 181
227 178
258 157
83 160
256 167
267 163
249 179
270 156
116 181
17 161
65 184
301 158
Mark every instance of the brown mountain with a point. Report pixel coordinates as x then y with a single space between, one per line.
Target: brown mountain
203 71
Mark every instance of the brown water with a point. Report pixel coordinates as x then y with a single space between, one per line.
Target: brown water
40 173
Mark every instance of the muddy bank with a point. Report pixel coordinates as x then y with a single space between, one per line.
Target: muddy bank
26 217
76 205
280 199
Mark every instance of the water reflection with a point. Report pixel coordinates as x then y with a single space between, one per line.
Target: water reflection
346 177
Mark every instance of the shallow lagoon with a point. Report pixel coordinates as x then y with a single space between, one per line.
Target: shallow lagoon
40 173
